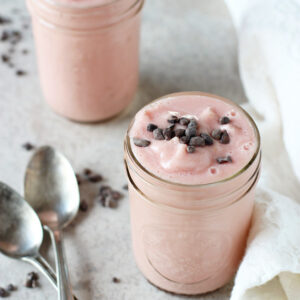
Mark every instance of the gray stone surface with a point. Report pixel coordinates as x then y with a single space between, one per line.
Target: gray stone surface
186 45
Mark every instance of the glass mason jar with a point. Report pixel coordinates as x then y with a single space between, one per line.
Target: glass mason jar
87 54
189 239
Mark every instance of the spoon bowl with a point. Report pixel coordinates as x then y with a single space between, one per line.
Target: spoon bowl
21 232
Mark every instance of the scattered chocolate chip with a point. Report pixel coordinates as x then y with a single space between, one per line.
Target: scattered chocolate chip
224 160
197 141
125 187
28 146
225 139
173 120
5 58
116 280
216 134
184 121
11 287
32 276
151 127
24 51
193 124
141 142
190 149
158 134
78 178
4 20
95 178
105 190
184 140
171 126
83 206
207 138
4 36
116 195
191 131
179 132
3 293
168 133
224 120
108 201
20 73
87 172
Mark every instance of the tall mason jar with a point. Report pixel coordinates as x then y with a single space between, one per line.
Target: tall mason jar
190 239
88 55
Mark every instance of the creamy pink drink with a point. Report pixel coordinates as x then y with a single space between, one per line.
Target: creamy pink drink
87 53
192 162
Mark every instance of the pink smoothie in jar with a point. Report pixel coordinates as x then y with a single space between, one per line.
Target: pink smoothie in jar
88 53
193 161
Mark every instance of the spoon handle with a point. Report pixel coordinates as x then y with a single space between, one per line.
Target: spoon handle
42 265
63 280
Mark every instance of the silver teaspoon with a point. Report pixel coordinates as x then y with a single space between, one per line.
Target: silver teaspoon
51 189
21 232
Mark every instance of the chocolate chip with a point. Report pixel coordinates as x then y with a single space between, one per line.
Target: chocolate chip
207 138
108 202
5 58
171 126
193 124
224 160
216 134
20 73
191 131
197 141
11 288
24 51
28 146
158 134
87 172
32 276
4 36
83 206
168 133
116 195
3 293
141 142
224 120
95 178
105 190
173 120
184 140
125 187
184 121
190 149
179 132
4 20
225 139
116 280
151 127
78 178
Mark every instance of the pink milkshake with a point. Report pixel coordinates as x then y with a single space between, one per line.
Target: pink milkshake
193 161
87 53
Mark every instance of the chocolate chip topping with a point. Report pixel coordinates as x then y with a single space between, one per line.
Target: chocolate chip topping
184 140
190 149
28 146
151 127
224 160
141 142
168 133
3 293
11 287
207 138
95 178
216 134
225 139
179 132
158 134
191 131
184 121
224 120
193 124
116 280
197 141
83 206
173 120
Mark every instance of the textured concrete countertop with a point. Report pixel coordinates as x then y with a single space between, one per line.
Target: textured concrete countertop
186 45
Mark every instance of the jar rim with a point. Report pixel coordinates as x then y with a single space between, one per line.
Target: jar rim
128 148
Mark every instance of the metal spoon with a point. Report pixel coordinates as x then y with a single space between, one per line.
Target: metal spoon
51 189
21 232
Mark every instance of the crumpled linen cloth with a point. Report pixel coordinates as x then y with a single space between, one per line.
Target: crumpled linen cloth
268 34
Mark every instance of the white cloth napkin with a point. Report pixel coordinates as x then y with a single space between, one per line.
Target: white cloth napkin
269 59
